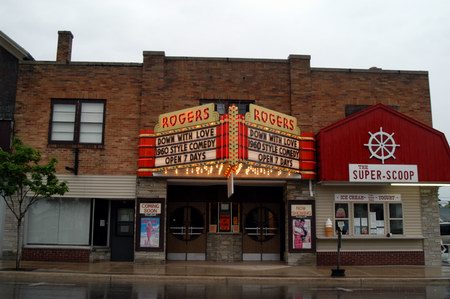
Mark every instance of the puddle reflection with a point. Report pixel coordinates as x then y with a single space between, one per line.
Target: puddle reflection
216 291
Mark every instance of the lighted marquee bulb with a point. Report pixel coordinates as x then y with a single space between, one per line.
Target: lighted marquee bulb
176 170
239 168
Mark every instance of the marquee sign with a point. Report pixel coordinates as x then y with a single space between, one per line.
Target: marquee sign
186 147
273 149
199 137
272 119
186 118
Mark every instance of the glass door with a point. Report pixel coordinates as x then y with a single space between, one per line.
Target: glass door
186 237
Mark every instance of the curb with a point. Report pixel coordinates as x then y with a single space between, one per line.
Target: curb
277 280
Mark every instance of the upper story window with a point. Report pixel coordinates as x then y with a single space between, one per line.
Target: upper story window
350 109
77 122
223 105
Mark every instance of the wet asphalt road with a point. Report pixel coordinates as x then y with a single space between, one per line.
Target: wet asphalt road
140 290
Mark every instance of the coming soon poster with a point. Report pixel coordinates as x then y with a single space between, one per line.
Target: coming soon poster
150 229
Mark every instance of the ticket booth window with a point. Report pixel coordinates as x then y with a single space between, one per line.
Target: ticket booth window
224 217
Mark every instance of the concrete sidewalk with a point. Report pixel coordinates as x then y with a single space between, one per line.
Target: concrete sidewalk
240 272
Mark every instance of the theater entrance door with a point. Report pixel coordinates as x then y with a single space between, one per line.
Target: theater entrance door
186 236
261 232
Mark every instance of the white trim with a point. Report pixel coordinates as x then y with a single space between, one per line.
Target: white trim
100 186
377 250
422 184
205 182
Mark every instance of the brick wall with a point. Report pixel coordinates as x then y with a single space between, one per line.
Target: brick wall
333 89
371 258
171 84
136 94
119 85
56 255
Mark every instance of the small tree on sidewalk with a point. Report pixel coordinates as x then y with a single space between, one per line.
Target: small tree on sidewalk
23 181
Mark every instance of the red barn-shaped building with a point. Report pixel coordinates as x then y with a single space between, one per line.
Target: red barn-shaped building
374 169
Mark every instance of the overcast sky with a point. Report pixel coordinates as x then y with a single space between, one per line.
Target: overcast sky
390 34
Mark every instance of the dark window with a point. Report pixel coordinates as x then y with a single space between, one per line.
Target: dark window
396 218
5 134
77 122
445 229
223 105
350 109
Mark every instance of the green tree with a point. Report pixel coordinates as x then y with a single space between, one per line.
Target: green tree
23 181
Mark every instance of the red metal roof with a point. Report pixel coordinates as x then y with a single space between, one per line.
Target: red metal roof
345 142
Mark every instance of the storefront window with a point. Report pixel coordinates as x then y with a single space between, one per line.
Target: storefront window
224 217
376 219
360 223
369 218
341 216
59 222
396 218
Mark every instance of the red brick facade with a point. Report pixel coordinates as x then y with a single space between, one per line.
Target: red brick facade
367 258
56 255
136 94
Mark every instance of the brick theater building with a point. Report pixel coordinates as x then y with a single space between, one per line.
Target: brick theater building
227 159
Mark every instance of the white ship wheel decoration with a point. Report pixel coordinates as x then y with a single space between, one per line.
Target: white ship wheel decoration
381 145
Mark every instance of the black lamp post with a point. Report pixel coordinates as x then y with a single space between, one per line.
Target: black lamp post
338 272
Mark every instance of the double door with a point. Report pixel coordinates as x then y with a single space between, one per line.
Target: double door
257 222
262 231
186 237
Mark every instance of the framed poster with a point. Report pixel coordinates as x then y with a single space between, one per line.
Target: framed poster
150 225
149 232
302 226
